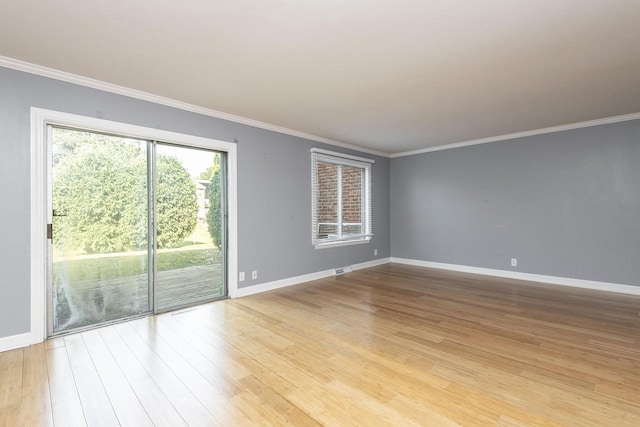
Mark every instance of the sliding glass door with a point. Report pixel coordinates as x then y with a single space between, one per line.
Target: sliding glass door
135 227
190 251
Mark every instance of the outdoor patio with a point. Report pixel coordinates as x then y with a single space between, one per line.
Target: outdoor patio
104 300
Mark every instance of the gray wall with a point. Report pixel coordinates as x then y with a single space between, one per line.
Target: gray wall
564 204
274 182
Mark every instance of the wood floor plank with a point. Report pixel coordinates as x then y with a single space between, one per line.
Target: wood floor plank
140 359
124 401
159 408
388 345
36 402
215 401
65 401
68 413
11 364
96 405
211 346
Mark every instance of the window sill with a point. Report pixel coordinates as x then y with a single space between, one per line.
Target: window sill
327 245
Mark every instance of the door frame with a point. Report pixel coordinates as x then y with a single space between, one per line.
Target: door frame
40 118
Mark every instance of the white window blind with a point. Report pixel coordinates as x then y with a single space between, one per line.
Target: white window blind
341 198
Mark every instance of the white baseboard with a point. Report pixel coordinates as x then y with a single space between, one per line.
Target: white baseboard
277 284
552 280
15 341
370 264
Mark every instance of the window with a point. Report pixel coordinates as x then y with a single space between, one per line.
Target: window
341 198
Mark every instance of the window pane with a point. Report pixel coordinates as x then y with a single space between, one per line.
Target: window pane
190 232
341 200
352 179
100 207
327 201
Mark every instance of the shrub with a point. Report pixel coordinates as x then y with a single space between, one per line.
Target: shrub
101 187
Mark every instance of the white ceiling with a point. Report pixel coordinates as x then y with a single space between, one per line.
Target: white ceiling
388 75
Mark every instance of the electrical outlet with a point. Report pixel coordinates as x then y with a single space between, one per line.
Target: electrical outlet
241 276
514 262
254 274
375 252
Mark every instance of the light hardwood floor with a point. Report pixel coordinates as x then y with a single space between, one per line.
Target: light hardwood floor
390 345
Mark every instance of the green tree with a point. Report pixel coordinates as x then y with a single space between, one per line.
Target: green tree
101 191
100 186
207 174
176 202
68 140
214 217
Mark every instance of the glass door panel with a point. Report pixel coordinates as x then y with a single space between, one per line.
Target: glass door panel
99 229
190 226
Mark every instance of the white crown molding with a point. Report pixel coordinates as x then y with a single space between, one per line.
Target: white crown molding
560 128
156 99
528 277
27 67
277 284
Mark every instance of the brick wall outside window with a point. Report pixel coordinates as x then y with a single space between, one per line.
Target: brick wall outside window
327 202
351 194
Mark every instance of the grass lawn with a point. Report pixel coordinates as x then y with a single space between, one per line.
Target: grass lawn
199 236
91 269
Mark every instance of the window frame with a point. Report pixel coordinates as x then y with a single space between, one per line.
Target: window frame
325 156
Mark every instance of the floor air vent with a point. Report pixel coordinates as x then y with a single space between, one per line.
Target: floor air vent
343 270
